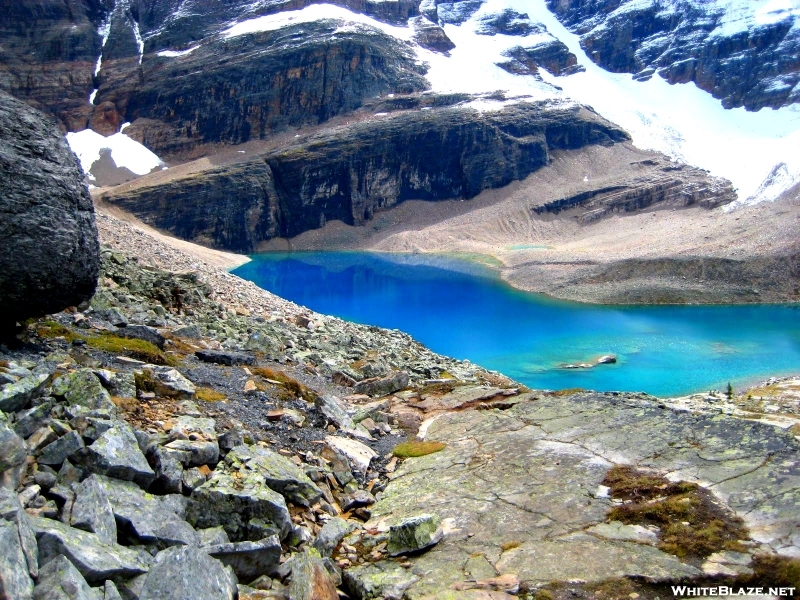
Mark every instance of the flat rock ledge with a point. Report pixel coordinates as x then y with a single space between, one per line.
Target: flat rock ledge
520 497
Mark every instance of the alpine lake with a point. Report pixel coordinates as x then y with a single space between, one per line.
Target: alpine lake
462 309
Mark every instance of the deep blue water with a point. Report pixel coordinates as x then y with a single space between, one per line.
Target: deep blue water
461 309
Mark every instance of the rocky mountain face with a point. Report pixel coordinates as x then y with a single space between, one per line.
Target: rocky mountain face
242 88
740 59
48 52
50 257
350 172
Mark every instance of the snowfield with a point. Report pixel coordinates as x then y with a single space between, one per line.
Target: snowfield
758 151
125 152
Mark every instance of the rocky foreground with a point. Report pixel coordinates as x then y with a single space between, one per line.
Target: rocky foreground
187 435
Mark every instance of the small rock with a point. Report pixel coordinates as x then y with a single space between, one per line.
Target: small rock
330 535
60 580
358 454
168 469
170 383
142 332
414 534
60 450
16 396
249 386
192 479
357 499
607 359
226 358
249 559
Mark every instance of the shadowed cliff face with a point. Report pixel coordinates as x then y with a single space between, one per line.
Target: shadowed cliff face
350 172
755 66
243 88
48 51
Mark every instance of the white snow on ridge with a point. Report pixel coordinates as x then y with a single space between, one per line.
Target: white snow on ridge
125 151
177 53
309 14
682 121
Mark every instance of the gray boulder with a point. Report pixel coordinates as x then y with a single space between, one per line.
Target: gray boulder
96 560
414 534
27 422
116 453
91 510
51 256
310 579
117 383
110 591
15 580
335 411
13 451
244 506
382 386
187 573
147 518
60 580
83 388
169 470
16 396
331 534
249 560
226 358
12 512
60 450
278 472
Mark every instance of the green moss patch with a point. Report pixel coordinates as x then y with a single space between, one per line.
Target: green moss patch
207 394
135 348
294 388
416 449
693 525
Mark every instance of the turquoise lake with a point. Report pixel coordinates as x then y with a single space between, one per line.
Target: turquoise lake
463 310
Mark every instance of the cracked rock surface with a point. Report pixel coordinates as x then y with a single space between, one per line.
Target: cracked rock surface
520 490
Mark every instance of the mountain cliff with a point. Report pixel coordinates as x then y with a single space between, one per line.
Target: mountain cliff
744 53
350 172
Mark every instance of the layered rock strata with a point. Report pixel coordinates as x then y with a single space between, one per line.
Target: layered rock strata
351 172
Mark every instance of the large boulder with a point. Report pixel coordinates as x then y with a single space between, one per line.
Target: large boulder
187 573
51 256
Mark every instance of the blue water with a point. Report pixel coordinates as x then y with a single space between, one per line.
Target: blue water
463 310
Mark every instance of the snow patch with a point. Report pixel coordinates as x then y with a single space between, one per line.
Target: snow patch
314 12
125 152
681 121
177 53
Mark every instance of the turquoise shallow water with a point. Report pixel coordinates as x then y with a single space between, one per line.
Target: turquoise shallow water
460 309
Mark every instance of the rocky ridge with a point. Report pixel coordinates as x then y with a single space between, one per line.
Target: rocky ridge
187 435
350 172
743 61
